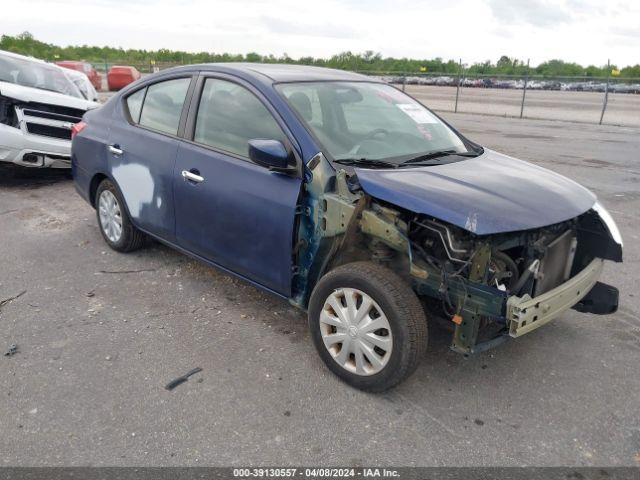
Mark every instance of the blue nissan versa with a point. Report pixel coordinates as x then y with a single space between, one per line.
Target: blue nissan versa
351 200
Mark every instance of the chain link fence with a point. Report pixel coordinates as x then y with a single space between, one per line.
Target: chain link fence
605 100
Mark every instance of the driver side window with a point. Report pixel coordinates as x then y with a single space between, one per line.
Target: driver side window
229 116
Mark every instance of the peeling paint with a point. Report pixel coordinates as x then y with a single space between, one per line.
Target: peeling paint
472 222
137 186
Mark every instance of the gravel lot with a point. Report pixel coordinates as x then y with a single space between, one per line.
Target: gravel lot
100 333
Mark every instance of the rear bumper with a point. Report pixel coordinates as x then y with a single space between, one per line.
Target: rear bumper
525 314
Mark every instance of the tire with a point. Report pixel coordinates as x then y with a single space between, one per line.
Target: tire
129 238
392 299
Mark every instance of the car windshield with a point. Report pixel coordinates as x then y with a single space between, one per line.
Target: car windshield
35 74
372 123
82 86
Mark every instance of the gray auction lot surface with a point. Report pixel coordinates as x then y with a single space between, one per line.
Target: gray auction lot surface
100 333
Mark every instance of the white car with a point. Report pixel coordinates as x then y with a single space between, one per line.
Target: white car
83 83
39 105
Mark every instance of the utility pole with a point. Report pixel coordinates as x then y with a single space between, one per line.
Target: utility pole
455 110
524 90
606 91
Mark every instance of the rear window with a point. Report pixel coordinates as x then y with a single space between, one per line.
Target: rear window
163 105
134 104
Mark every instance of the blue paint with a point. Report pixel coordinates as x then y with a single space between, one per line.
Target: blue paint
269 153
241 216
489 194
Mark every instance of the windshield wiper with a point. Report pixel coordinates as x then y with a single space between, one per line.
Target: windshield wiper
366 162
438 154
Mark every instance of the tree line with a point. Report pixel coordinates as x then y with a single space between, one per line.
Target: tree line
368 61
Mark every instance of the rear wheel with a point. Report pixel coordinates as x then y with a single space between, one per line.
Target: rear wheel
114 222
367 325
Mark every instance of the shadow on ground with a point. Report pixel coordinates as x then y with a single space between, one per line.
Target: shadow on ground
19 177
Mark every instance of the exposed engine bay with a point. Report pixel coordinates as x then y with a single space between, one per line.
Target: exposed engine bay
490 287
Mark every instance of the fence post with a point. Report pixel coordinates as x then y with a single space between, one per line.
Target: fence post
524 90
404 82
606 91
455 110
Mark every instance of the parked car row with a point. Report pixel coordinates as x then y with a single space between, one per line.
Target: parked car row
486 82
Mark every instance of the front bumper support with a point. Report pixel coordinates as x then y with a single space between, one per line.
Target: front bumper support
525 314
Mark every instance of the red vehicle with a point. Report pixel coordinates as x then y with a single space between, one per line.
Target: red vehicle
120 76
94 77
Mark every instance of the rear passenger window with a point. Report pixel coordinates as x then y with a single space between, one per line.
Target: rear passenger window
163 105
230 115
134 104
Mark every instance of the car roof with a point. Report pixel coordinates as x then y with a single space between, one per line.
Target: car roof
279 72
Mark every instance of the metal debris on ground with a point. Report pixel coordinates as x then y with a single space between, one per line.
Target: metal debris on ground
180 380
13 349
6 301
128 271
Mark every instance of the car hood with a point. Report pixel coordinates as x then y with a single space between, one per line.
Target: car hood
30 94
492 193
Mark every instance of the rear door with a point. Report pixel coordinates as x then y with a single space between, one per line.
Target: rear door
241 215
143 142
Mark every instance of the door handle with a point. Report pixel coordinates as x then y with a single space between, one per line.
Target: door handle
116 150
192 177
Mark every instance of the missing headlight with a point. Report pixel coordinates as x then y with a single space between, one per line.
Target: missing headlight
8 112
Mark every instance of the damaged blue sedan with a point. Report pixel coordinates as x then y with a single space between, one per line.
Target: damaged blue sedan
350 199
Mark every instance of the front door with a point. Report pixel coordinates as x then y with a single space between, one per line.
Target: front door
228 209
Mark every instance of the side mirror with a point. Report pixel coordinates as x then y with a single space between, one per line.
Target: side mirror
271 154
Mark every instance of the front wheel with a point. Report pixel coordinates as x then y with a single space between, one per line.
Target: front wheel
367 325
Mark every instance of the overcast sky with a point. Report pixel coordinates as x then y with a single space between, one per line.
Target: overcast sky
583 31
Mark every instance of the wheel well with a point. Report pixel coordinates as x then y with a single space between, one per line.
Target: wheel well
95 181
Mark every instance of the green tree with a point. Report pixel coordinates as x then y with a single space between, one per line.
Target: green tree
369 61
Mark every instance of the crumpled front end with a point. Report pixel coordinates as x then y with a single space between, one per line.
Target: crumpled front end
491 287
36 134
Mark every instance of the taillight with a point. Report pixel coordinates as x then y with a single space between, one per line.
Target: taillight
77 128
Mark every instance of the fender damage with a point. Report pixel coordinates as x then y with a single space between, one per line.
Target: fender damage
499 275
